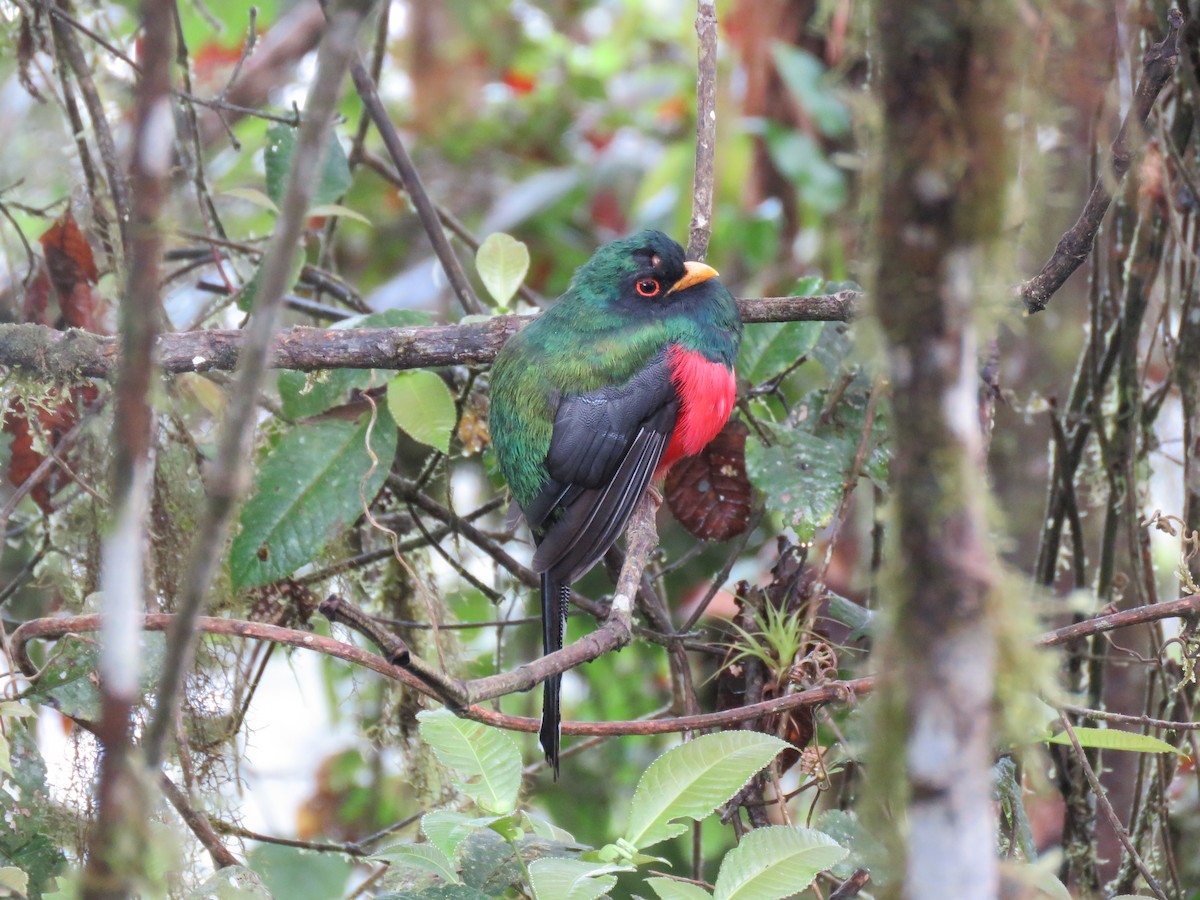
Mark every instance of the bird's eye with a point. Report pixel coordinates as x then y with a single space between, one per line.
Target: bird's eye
648 287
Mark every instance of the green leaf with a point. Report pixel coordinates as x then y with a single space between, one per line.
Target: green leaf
425 857
299 874
775 862
486 760
446 829
693 779
502 262
806 77
770 348
1112 739
547 829
572 879
252 195
281 148
68 680
307 491
666 889
303 395
13 880
804 472
336 209
423 406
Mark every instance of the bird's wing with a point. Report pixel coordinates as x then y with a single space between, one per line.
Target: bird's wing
604 449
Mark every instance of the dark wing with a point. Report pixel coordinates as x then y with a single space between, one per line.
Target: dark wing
603 452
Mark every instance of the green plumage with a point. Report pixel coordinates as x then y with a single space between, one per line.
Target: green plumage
587 340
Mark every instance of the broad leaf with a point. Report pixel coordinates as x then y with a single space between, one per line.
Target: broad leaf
1112 739
425 857
693 779
307 394
68 680
446 829
423 406
309 488
776 862
572 879
666 889
486 760
332 181
803 473
502 262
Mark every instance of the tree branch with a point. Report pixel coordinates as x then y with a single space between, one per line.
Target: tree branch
228 474
65 356
1076 245
700 229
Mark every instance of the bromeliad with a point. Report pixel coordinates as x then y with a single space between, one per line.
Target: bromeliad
628 372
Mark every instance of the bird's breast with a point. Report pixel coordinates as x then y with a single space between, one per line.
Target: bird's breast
707 391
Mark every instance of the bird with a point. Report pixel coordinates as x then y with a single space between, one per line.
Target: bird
629 371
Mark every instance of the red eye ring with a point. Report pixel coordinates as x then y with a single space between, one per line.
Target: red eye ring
648 287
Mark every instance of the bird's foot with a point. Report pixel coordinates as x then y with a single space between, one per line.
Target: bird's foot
656 496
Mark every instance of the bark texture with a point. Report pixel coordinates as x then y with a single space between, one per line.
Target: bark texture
943 73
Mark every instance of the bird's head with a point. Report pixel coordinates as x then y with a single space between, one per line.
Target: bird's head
639 273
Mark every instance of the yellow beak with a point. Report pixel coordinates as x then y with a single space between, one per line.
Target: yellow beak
693 273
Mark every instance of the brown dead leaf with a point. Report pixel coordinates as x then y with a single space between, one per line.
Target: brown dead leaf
709 493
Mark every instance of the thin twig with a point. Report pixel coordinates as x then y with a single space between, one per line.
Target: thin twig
1102 800
199 824
1076 245
415 189
228 475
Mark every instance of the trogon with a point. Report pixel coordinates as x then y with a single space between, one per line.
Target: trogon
627 372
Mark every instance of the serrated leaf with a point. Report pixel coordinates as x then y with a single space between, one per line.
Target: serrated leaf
486 760
572 879
446 829
1113 739
336 209
307 491
333 180
252 195
308 394
693 779
666 889
502 262
423 406
425 857
771 863
14 880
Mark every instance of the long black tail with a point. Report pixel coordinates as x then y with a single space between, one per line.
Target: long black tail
554 626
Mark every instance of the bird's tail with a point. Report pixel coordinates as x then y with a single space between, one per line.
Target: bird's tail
554 625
